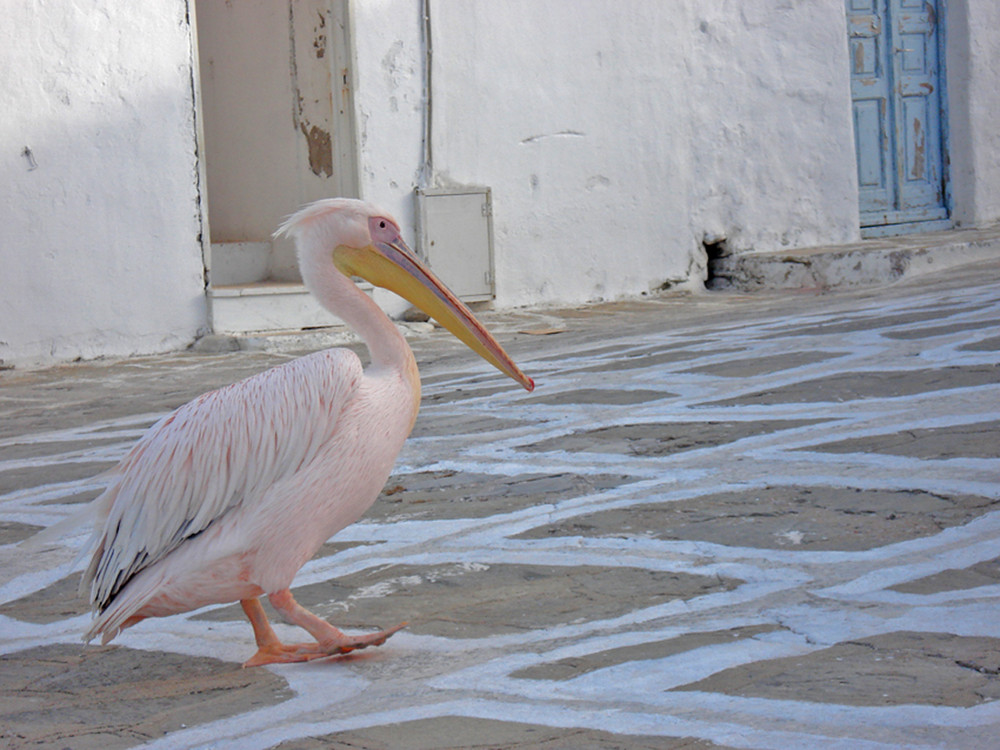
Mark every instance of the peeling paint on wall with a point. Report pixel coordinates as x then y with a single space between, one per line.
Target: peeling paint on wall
918 151
312 83
320 149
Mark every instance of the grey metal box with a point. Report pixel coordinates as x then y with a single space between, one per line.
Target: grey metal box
456 238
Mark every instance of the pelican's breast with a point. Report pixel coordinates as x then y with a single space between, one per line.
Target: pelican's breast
336 488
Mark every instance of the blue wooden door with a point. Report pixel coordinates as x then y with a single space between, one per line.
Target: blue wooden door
897 101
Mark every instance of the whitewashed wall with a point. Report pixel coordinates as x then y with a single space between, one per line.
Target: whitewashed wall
973 74
617 136
577 117
100 248
388 102
772 136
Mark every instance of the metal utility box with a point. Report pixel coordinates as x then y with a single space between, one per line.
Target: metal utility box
456 238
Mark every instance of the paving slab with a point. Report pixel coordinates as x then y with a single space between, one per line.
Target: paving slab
889 669
489 734
722 520
782 517
66 695
479 600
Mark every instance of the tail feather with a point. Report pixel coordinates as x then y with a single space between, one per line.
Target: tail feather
124 607
92 514
86 515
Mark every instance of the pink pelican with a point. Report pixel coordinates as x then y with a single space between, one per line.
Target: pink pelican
228 496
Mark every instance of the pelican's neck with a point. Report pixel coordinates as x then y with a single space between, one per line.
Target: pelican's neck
342 297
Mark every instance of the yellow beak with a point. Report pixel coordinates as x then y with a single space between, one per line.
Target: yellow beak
393 266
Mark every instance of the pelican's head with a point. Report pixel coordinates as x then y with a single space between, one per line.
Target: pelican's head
366 242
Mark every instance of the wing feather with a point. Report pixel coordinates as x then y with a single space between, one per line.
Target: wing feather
222 450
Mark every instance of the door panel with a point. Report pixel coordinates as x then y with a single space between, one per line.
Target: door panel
919 105
870 95
897 102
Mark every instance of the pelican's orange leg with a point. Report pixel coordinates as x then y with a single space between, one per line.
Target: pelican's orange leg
270 650
329 640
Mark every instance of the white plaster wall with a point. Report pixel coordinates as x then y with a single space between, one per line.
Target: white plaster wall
575 114
615 135
388 102
772 130
973 79
100 248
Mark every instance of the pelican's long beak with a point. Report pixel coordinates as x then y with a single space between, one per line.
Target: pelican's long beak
393 266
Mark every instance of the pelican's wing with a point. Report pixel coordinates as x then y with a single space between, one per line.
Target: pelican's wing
224 449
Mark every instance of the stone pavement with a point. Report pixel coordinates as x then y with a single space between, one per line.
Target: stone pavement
721 521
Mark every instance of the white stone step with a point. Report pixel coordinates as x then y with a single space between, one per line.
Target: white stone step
265 306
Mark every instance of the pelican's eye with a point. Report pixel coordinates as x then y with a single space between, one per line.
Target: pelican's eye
383 229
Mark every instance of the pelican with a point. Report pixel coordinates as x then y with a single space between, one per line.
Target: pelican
227 497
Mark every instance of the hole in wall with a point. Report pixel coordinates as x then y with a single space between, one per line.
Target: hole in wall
716 248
